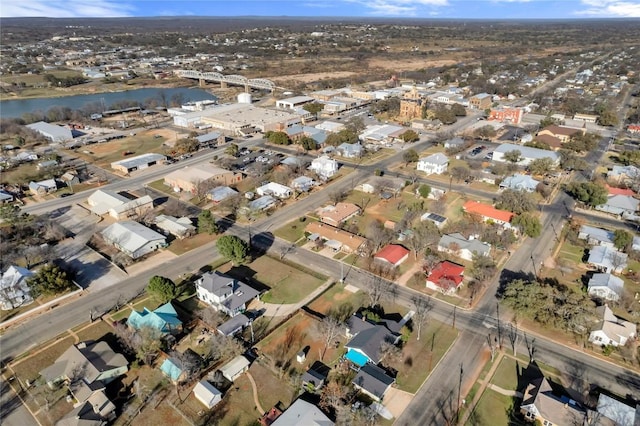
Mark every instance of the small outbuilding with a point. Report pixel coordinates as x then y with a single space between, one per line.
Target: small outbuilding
207 394
234 368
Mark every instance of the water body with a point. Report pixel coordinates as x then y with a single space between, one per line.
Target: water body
17 107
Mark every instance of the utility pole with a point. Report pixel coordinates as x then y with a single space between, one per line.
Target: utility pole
341 272
533 263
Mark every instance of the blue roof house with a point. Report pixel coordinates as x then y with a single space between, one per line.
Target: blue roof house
172 368
164 319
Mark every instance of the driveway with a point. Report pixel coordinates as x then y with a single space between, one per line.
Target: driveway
396 401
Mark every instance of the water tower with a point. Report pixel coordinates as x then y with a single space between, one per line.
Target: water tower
244 98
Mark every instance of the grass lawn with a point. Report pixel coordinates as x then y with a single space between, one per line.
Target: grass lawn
271 390
30 367
492 409
570 253
286 283
159 185
454 207
180 247
506 375
239 408
121 314
293 231
95 331
337 298
419 357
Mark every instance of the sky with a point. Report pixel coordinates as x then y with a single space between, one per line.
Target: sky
444 9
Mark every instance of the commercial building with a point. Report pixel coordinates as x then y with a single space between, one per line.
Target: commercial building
503 114
138 163
188 178
527 154
52 132
294 102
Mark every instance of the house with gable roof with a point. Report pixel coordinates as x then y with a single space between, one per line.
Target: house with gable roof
605 286
367 339
446 277
462 247
622 205
324 166
519 182
596 236
611 330
433 164
392 254
225 293
548 407
489 213
14 290
133 239
163 319
373 381
607 259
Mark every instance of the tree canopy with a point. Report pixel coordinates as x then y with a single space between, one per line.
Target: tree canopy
589 193
424 190
410 136
622 239
313 107
207 223
49 280
233 248
528 224
307 143
162 288
516 201
278 138
540 166
513 156
410 156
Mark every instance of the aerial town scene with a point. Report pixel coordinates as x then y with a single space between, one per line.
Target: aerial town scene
394 212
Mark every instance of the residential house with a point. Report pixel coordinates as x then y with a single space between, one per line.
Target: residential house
178 227
437 219
373 381
520 182
207 394
541 404
275 189
617 412
70 178
553 142
392 254
46 164
103 202
324 167
261 204
304 413
596 236
587 118
341 212
234 325
367 341
621 205
619 191
634 129
466 249
381 133
623 174
350 150
480 101
563 133
87 367
224 293
446 277
235 368
527 154
133 239
433 164
43 187
294 102
335 238
611 330
455 143
381 184
221 193
14 290
303 184
180 367
163 319
489 213
506 114
188 178
172 368
607 259
139 162
606 287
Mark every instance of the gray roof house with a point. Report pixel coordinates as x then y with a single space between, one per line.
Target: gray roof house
224 293
367 340
618 412
373 381
263 203
527 153
43 187
607 259
221 193
433 164
456 142
179 227
605 286
520 182
303 183
234 325
5 197
133 239
596 236
313 379
458 245
350 150
620 205
541 403
611 330
624 173
14 290
301 413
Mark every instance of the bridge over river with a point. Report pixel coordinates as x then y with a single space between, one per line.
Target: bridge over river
224 80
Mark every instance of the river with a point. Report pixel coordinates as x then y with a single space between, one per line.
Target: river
16 107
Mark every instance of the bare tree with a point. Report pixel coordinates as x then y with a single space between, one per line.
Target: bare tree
336 196
422 307
329 328
379 289
332 396
222 347
378 235
493 345
210 316
512 333
390 354
424 235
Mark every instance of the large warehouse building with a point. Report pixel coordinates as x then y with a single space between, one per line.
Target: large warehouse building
238 119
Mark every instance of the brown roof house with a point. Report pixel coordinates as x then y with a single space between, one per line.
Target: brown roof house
335 238
341 212
86 368
560 132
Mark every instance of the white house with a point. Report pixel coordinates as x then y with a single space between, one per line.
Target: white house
607 259
519 182
605 286
14 291
458 245
596 236
207 394
179 227
350 150
324 166
433 164
612 330
275 189
224 293
301 413
133 239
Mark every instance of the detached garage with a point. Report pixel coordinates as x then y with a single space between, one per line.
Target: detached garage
207 394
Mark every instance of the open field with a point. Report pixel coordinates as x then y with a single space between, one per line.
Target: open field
103 154
336 298
293 231
180 247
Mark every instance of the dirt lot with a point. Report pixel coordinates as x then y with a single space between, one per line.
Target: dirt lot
311 77
409 64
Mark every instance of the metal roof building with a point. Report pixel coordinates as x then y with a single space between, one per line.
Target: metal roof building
52 132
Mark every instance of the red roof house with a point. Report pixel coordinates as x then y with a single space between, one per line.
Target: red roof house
446 277
620 191
394 254
488 212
